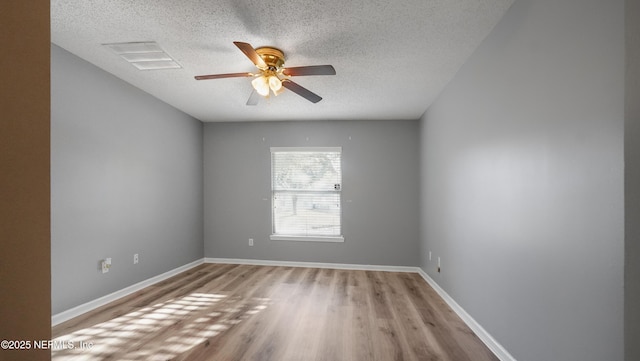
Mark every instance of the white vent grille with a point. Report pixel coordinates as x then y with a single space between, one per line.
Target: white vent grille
147 55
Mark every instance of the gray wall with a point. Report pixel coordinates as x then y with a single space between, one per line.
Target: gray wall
522 179
126 177
380 190
632 181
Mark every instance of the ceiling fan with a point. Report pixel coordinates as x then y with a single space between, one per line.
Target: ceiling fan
273 76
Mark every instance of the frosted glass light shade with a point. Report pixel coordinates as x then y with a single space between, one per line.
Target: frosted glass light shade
261 85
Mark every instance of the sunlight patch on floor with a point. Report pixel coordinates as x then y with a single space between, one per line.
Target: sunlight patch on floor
162 331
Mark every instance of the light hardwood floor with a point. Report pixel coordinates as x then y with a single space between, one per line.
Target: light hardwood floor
243 312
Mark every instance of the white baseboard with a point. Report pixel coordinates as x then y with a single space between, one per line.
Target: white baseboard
91 305
482 334
364 267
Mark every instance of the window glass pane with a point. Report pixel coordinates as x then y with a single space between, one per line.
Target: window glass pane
306 170
306 214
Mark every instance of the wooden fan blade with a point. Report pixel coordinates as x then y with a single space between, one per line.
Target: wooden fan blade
220 76
303 92
253 98
250 52
310 70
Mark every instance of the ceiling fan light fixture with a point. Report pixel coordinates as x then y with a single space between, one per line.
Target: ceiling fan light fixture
270 62
274 83
261 85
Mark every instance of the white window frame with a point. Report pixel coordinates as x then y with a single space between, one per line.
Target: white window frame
299 238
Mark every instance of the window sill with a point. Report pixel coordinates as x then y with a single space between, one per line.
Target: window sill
336 239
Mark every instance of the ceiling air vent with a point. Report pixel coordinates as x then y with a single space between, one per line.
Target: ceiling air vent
147 55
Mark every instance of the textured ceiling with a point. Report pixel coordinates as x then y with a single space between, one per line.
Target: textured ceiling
392 58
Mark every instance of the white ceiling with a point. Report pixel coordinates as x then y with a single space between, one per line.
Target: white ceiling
392 58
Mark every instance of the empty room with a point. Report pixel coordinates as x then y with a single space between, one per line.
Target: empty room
328 180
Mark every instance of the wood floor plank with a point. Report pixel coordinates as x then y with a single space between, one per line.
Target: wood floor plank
414 332
245 312
362 320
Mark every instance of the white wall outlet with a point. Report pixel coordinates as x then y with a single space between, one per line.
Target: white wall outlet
135 259
438 264
251 242
106 265
429 255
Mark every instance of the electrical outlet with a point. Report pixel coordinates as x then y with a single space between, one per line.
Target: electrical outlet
135 259
438 264
429 255
106 265
251 242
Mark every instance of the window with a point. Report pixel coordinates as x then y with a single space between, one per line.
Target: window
305 194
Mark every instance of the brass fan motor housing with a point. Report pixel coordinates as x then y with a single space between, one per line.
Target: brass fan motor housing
273 57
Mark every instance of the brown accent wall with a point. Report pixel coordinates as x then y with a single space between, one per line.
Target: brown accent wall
25 252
